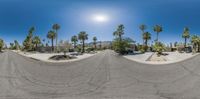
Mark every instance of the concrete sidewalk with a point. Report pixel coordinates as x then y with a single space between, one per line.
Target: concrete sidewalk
45 56
172 57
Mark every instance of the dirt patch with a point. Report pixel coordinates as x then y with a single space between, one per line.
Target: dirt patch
62 57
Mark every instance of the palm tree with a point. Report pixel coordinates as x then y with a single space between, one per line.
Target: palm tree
186 35
1 44
142 28
56 27
51 35
28 43
17 46
157 29
95 42
119 32
146 37
36 41
194 41
198 43
74 39
82 36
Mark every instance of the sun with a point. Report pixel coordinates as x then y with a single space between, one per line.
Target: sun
100 18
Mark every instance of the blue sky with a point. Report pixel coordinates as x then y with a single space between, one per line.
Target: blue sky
17 16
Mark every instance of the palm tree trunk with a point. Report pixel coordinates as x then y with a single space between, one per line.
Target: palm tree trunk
146 41
185 42
36 46
198 47
157 37
142 39
74 44
52 47
56 41
120 38
83 46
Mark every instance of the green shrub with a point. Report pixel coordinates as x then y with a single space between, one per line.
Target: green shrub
121 46
90 49
159 48
1 44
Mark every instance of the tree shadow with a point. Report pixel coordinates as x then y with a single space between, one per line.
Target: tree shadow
1 52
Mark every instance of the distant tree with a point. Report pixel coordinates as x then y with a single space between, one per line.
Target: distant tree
1 44
12 46
51 35
119 32
198 44
186 35
16 46
56 27
175 44
64 46
36 41
157 29
95 42
121 46
82 36
171 47
74 39
43 40
195 41
146 37
28 44
143 28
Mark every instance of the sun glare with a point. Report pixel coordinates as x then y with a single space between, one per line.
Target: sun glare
100 18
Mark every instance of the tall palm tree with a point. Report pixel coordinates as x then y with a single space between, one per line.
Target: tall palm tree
36 41
56 27
157 29
51 35
95 42
143 28
146 37
119 32
194 41
186 35
74 39
82 36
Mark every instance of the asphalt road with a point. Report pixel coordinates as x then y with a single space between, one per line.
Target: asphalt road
102 76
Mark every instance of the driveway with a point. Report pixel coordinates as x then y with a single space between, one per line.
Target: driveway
102 76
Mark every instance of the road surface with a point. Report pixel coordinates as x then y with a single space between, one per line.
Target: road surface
102 76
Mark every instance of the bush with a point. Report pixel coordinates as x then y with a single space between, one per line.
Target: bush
121 46
90 49
1 44
159 48
142 48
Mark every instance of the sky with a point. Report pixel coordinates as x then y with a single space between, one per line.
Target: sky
98 18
